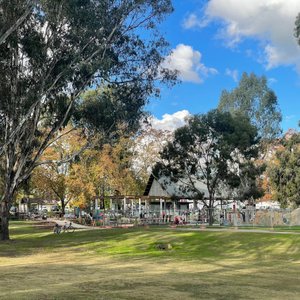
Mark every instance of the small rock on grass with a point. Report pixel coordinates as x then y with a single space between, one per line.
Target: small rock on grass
164 246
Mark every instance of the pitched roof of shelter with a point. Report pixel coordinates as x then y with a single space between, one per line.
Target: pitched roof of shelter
164 187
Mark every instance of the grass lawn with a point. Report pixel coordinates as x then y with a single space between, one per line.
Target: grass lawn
126 264
249 227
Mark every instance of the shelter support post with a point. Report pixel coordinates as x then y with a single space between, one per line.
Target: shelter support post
124 205
160 207
132 207
140 207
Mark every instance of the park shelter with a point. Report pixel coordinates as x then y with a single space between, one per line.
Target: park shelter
172 196
164 187
156 201
186 201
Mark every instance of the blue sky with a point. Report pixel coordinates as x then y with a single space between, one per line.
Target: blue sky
215 41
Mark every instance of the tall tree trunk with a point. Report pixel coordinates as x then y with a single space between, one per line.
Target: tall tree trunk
103 203
210 212
210 216
63 206
4 216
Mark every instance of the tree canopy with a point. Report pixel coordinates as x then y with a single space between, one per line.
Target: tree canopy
147 145
104 173
52 180
52 51
255 100
284 172
212 149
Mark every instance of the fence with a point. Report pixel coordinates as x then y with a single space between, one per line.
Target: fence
225 217
248 217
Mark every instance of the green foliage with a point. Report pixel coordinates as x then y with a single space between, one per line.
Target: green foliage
284 172
255 100
113 111
51 52
213 149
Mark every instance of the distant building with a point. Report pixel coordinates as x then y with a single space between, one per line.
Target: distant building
28 204
267 204
177 194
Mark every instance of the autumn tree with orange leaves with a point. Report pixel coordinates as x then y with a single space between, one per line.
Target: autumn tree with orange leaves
51 181
284 172
104 173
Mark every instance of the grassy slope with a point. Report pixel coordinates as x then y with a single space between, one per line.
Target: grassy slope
126 264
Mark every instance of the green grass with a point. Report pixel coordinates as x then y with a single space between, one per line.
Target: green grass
249 227
276 228
126 264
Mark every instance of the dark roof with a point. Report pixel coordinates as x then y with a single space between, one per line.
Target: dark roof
149 184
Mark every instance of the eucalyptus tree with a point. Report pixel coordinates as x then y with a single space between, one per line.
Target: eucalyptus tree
284 172
211 150
52 51
147 145
255 100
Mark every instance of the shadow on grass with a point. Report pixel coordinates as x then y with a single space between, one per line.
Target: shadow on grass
120 278
141 243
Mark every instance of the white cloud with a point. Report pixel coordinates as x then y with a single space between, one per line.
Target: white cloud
193 21
271 22
170 122
289 117
272 80
188 62
234 74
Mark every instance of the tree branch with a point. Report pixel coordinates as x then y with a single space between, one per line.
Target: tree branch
23 17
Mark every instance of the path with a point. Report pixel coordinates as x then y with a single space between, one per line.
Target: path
75 225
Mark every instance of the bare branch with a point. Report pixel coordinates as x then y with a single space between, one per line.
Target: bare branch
66 159
60 136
